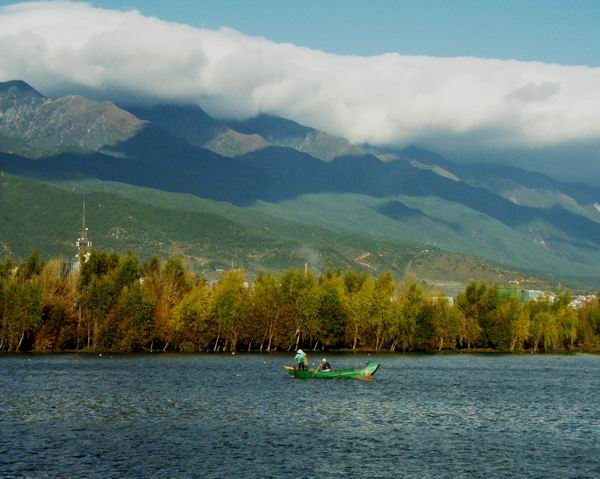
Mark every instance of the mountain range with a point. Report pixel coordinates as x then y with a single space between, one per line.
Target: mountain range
272 193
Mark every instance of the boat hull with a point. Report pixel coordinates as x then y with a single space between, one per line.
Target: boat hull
365 374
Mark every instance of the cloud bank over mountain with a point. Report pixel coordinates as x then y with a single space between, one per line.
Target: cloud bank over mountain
391 99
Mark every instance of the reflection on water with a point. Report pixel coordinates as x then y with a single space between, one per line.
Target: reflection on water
242 416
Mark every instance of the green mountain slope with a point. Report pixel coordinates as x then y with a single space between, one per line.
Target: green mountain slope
210 235
440 223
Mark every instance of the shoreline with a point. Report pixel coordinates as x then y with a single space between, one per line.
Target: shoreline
479 351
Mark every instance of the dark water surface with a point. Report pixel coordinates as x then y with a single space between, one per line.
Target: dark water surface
241 416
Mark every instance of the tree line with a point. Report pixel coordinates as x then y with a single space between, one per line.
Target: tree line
117 303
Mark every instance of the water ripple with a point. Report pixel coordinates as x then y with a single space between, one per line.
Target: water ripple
220 416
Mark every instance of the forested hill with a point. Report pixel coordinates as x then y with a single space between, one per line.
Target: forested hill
116 303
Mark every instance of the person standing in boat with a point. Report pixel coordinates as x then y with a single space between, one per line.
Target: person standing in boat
325 365
301 360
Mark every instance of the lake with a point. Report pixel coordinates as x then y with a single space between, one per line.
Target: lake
227 416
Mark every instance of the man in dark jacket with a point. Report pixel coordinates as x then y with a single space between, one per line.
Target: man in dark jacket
324 365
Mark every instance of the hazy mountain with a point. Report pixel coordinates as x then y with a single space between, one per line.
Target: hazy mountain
188 122
281 132
533 189
192 124
519 186
234 138
155 159
233 143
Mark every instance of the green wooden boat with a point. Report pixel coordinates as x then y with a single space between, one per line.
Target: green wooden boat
365 374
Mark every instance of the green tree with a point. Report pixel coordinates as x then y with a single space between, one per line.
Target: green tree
360 308
408 313
97 265
23 307
267 311
59 307
230 299
300 298
589 324
127 272
193 318
165 288
96 300
446 322
30 267
507 326
478 304
520 329
545 330
382 308
135 311
332 312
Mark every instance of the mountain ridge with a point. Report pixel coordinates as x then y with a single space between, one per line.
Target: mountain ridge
535 216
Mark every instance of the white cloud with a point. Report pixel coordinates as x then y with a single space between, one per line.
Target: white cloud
388 99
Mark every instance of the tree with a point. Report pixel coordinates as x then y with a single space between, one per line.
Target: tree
97 265
135 311
267 311
230 299
59 291
300 300
192 318
520 329
446 322
545 330
23 306
125 306
382 307
589 324
478 304
360 306
6 268
165 288
567 319
96 300
30 267
332 311
126 272
509 324
407 316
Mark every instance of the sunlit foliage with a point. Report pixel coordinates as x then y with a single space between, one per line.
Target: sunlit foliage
116 303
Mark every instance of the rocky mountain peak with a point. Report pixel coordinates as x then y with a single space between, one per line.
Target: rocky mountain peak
18 87
17 94
46 126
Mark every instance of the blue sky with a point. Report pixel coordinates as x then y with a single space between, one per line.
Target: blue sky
556 31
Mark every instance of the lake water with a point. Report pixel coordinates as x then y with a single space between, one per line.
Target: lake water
241 416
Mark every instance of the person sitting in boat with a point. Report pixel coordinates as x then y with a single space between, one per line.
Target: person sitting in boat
324 365
301 360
